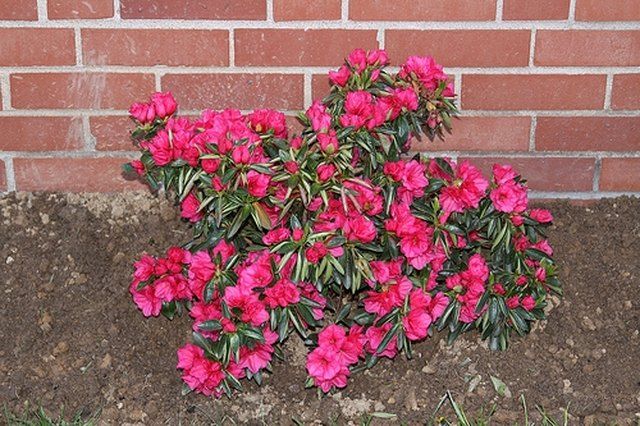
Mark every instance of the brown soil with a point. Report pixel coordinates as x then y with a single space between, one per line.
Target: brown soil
71 335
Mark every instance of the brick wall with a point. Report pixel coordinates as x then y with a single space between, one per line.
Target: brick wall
552 86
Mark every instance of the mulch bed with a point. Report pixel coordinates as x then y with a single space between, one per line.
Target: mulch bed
72 337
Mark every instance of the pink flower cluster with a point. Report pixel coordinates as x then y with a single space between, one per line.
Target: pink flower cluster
289 227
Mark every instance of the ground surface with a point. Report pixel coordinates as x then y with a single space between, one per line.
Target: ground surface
71 335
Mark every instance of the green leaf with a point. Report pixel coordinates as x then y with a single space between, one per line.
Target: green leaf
212 325
500 387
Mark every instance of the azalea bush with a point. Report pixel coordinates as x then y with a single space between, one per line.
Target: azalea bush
337 234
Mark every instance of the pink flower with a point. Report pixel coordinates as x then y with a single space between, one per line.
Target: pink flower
251 309
240 154
258 183
394 169
358 60
316 252
425 69
282 294
390 296
413 176
374 337
256 358
528 303
358 107
160 148
189 208
225 250
138 167
509 197
416 324
377 57
322 363
541 215
477 266
513 302
465 191
172 287
360 229
144 113
201 270
200 373
320 119
164 104
264 121
503 174
326 172
144 268
340 77
202 312
328 142
146 299
276 236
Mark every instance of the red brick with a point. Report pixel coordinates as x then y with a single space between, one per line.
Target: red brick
155 47
79 90
626 91
112 133
299 47
194 9
40 133
3 176
422 10
319 86
79 9
609 10
588 134
300 10
539 10
462 48
620 174
36 46
72 174
533 92
483 134
244 91
587 48
547 173
19 10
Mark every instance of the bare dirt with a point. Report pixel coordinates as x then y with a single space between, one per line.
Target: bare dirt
72 337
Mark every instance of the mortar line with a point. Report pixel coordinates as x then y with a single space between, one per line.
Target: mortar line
572 12
270 11
344 11
457 83
596 173
232 48
52 112
78 42
532 48
581 195
116 10
608 92
532 133
10 174
307 91
42 11
158 81
499 10
113 23
293 69
380 36
89 139
5 87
